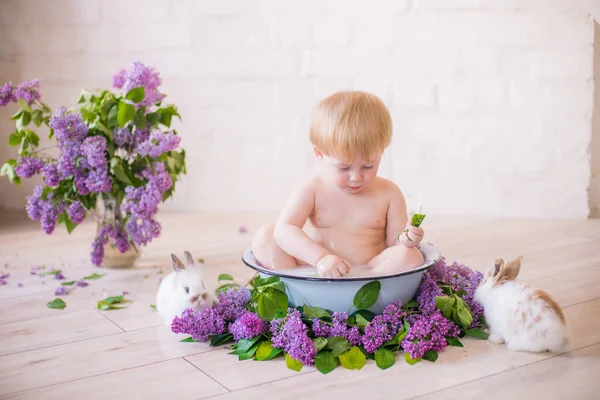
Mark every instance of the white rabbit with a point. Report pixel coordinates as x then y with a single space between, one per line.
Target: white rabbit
181 289
527 319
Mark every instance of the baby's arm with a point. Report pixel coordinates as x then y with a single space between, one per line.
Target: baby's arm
288 229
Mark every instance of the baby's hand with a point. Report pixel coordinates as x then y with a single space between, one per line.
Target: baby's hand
332 266
412 235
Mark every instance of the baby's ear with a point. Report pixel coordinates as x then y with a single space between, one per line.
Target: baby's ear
318 153
177 264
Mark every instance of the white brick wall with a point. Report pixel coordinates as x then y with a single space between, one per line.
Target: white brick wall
491 99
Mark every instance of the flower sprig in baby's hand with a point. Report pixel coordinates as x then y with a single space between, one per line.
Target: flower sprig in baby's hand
416 233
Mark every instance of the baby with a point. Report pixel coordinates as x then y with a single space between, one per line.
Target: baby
344 214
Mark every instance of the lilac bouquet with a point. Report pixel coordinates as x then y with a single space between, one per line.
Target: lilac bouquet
263 326
114 149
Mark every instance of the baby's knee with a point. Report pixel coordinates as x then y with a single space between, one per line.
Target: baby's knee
263 236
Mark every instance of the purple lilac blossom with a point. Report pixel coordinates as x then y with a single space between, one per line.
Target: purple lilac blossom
291 334
158 143
7 94
28 166
247 326
139 75
51 175
76 212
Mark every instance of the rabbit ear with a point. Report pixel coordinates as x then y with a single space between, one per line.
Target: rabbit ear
498 265
177 264
510 270
188 258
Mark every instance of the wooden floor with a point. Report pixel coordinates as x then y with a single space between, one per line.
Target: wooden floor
81 352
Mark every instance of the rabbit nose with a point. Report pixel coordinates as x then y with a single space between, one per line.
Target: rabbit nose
197 297
204 296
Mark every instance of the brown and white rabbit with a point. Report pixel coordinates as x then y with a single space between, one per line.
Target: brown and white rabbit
525 318
181 289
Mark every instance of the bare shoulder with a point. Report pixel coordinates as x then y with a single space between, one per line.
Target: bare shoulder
389 189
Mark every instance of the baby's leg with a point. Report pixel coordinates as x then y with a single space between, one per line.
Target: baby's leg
396 259
268 253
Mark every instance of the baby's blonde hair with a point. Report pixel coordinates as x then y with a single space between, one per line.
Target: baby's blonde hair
350 125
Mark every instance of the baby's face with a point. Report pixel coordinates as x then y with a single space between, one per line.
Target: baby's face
351 177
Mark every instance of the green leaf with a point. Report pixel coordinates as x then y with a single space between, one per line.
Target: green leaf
243 345
136 95
223 338
292 364
88 115
16 115
201 260
445 304
152 118
112 116
103 305
320 343
114 299
409 359
125 113
9 169
325 362
417 219
384 358
51 272
70 224
315 312
224 288
24 120
367 295
14 139
477 333
188 340
93 276
57 304
397 339
264 350
464 314
338 345
153 307
412 304
121 175
430 355
70 283
265 281
454 342
140 119
353 358
38 117
23 104
225 277
361 321
250 353
166 115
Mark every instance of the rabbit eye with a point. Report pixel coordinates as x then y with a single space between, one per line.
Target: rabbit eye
187 290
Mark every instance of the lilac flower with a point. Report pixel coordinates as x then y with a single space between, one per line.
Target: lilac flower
243 229
76 212
393 314
247 326
427 293
59 276
98 181
50 212
377 333
122 137
61 291
428 332
51 175
97 254
200 325
4 276
232 303
321 328
28 91
7 94
28 166
158 143
118 233
33 270
3 281
291 334
139 75
94 148
68 126
34 203
19 285
81 283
